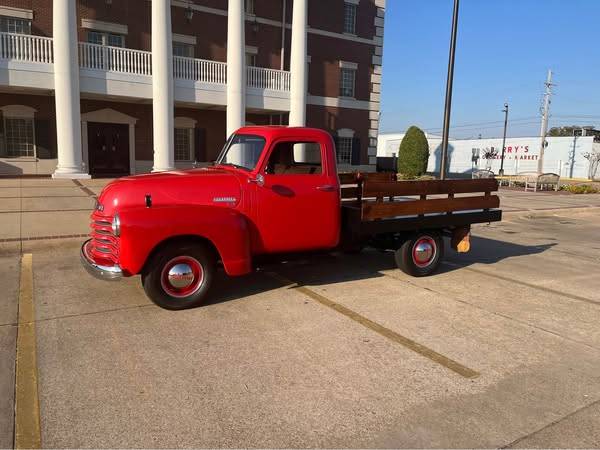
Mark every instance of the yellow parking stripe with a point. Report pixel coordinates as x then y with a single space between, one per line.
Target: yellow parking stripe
27 407
386 332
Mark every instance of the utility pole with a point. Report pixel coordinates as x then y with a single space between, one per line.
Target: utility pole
449 82
545 117
505 111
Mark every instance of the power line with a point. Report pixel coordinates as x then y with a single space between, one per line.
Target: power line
468 125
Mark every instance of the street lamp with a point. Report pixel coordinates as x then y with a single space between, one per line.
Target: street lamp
449 81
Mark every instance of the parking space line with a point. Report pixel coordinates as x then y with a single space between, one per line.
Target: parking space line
422 350
27 407
524 283
85 189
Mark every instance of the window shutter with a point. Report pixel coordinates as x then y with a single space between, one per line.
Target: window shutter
356 151
44 139
200 145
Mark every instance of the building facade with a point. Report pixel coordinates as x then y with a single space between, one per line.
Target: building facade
117 87
567 156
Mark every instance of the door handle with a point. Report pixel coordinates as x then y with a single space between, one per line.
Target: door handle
326 188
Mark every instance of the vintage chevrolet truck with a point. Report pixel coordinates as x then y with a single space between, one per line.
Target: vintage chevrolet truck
272 191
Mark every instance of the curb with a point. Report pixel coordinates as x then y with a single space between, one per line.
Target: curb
533 213
28 245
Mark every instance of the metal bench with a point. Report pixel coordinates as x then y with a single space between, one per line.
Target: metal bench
541 181
482 173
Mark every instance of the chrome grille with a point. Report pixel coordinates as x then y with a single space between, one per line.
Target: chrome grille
104 245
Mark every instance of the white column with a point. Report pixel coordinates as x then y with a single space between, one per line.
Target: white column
298 64
236 66
163 121
66 91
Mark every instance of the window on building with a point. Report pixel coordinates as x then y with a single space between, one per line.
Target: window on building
15 25
347 82
184 50
103 38
251 59
19 137
350 18
344 150
184 144
249 5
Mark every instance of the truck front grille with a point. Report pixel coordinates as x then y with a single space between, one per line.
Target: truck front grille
104 247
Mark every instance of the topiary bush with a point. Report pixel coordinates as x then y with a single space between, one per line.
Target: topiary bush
413 153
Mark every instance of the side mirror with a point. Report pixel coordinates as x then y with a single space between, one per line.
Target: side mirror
259 180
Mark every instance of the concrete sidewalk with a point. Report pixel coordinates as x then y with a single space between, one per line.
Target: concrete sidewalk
43 208
39 209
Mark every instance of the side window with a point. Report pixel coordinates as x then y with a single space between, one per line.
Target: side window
295 158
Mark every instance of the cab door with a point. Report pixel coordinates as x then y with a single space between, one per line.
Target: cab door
298 201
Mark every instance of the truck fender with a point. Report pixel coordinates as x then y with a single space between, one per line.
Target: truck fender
144 229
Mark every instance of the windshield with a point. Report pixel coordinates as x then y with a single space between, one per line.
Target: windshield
242 151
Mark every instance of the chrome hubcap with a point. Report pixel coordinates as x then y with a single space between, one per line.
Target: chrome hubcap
180 276
424 251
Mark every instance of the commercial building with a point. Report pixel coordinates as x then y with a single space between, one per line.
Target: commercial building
116 87
566 156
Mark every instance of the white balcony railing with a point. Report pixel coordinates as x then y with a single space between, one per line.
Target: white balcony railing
38 49
114 59
261 78
25 47
201 70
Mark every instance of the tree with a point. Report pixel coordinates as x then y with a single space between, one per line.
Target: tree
413 153
565 130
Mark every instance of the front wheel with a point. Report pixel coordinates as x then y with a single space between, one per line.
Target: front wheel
179 276
421 255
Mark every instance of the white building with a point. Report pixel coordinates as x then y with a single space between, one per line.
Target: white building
563 155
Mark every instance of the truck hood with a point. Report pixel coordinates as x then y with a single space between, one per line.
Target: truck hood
206 186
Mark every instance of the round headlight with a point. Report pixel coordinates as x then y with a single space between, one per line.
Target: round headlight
116 225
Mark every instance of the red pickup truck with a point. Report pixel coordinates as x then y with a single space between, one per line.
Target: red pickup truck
272 190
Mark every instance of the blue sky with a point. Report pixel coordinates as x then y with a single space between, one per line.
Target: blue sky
504 50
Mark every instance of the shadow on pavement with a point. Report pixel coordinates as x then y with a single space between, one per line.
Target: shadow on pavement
338 267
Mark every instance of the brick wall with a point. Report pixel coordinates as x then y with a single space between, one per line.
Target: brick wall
45 113
332 119
210 31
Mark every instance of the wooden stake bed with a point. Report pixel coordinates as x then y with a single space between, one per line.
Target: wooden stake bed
377 203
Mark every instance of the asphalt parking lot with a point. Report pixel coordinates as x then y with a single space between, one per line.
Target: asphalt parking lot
500 349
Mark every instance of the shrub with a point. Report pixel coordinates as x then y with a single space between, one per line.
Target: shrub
579 188
413 153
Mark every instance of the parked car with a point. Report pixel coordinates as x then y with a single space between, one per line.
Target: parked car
272 190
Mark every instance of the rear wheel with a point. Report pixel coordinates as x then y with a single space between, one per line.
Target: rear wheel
421 255
179 276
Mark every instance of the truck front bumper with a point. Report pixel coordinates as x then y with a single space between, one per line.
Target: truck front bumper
111 273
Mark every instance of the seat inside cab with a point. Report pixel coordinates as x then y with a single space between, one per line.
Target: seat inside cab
295 158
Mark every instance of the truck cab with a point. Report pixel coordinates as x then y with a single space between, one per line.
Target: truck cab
271 190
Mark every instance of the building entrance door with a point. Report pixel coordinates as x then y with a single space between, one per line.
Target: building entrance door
108 149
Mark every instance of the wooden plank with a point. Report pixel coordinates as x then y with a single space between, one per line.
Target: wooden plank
347 178
350 192
382 210
427 187
352 178
438 221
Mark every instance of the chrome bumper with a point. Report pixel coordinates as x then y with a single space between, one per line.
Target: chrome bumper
111 273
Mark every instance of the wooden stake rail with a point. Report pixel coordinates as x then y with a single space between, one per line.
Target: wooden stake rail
371 191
